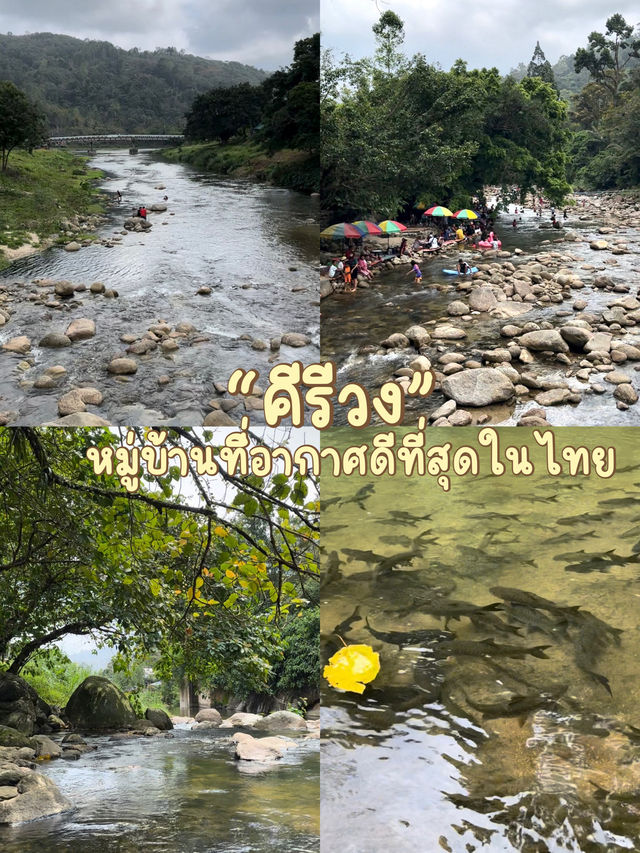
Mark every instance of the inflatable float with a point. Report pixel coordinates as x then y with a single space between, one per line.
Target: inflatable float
487 244
455 272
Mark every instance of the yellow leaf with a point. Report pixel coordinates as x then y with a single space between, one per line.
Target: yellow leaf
219 531
352 667
230 574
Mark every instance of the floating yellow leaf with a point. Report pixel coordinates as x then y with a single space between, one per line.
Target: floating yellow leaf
352 667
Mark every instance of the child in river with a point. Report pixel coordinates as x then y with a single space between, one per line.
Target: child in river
417 272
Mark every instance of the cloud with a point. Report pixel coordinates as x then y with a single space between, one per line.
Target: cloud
249 31
501 33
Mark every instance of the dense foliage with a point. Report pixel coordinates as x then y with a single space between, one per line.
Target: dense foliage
21 122
90 86
606 113
205 584
284 108
399 133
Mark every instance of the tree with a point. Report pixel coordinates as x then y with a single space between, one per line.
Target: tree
204 583
21 122
389 33
225 112
608 54
541 67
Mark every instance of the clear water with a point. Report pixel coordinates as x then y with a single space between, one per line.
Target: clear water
393 303
412 765
237 237
180 795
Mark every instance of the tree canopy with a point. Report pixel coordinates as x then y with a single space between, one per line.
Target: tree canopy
421 135
608 54
541 67
204 573
21 122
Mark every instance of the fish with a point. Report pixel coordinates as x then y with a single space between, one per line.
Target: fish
333 528
410 637
585 517
627 501
528 599
586 617
489 648
631 533
362 556
486 621
325 503
489 516
448 608
577 555
588 646
534 620
569 537
518 704
332 572
360 496
384 564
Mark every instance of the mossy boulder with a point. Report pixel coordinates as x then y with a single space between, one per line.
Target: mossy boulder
20 706
98 705
12 737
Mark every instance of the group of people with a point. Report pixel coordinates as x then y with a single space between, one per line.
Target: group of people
348 269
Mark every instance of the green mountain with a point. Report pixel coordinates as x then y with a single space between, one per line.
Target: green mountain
89 86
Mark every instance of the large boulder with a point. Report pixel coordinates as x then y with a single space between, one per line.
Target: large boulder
209 715
36 796
242 720
97 704
544 340
478 387
20 706
13 738
160 719
482 299
264 749
281 721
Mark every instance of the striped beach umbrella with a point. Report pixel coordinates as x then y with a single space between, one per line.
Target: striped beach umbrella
341 231
390 226
438 210
366 227
466 214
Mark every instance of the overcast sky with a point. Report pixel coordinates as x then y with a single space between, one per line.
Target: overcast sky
255 32
499 33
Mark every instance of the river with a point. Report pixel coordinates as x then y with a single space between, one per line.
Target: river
184 794
351 321
412 765
255 246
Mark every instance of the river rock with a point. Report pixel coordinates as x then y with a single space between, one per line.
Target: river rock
553 397
458 308
73 246
80 329
12 737
20 706
294 339
46 748
97 704
209 715
478 387
281 720
450 333
97 287
599 342
482 299
122 366
240 719
261 749
21 345
77 400
37 797
626 393
443 411
575 336
598 245
64 289
54 340
417 335
218 418
79 419
544 339
395 341
160 719
420 363
617 377
460 418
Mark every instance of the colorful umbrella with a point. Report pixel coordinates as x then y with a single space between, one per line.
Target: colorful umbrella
390 226
466 214
366 227
438 211
341 231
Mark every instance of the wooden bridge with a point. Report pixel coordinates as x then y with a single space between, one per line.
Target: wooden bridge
117 140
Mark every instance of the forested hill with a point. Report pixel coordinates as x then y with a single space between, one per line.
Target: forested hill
88 86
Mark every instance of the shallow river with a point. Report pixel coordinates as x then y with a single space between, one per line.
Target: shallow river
181 795
254 246
394 302
432 756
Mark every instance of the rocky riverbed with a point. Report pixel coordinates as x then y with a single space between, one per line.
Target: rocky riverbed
545 334
145 321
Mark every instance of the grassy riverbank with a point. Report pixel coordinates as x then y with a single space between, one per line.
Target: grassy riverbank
38 194
289 168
